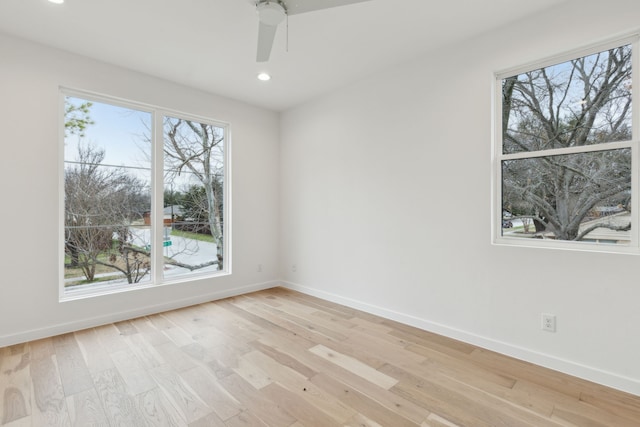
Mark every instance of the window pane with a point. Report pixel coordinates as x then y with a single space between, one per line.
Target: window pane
193 197
107 193
579 197
580 102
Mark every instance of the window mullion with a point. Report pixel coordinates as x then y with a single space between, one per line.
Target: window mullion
157 188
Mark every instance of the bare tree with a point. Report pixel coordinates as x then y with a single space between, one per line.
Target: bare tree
100 204
197 149
582 102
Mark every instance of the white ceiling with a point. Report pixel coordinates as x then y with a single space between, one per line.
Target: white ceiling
211 44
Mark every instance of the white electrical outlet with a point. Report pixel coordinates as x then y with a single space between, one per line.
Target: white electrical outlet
259 268
548 322
294 268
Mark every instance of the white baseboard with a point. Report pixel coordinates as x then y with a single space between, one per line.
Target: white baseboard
63 328
609 379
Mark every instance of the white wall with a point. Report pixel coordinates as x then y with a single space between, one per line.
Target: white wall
30 76
385 206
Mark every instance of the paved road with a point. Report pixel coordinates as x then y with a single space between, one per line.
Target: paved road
182 249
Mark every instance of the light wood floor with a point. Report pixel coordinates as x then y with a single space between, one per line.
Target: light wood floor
280 358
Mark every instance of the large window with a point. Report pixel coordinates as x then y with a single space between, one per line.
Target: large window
566 150
144 196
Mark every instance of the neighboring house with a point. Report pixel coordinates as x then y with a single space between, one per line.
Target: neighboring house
171 214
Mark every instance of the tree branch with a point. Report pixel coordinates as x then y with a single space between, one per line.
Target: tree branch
609 226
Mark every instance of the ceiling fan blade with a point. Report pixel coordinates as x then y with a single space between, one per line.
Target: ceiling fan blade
266 34
295 7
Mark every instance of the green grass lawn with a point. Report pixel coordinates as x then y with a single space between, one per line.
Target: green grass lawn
194 236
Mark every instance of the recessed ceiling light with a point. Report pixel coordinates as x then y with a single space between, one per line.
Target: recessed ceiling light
264 77
56 1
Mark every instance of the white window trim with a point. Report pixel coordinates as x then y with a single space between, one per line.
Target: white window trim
497 156
157 195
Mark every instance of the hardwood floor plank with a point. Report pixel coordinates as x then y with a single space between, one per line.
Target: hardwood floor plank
434 420
211 392
126 328
21 422
622 404
375 329
296 383
284 359
95 355
186 319
135 376
299 408
583 414
361 402
294 319
49 406
461 367
229 331
211 420
147 354
219 370
210 337
110 338
160 322
211 358
243 324
156 410
442 401
310 317
535 397
433 341
63 339
355 366
220 359
252 373
359 420
85 409
178 336
446 396
284 326
15 386
372 356
280 294
183 398
245 419
332 321
120 407
14 405
385 398
169 329
42 348
383 349
257 403
150 333
175 357
73 370
527 371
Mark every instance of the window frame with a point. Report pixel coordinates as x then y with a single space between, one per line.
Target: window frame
157 196
634 145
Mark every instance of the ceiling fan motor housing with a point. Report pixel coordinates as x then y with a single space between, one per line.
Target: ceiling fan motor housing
271 12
